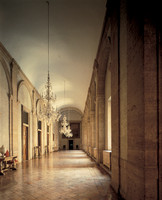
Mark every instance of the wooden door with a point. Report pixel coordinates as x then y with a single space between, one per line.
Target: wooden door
39 138
25 143
47 143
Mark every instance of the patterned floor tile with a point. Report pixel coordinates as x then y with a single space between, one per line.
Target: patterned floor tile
64 175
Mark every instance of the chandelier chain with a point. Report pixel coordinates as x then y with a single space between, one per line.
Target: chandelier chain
47 111
48 35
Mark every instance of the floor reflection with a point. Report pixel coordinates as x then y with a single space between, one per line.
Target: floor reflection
66 175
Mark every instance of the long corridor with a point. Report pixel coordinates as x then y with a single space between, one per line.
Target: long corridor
64 175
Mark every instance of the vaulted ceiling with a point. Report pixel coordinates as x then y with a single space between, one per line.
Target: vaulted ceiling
74 32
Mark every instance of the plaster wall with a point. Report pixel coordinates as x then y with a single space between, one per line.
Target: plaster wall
24 97
4 109
18 94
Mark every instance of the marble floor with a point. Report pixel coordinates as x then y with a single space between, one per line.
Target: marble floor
64 175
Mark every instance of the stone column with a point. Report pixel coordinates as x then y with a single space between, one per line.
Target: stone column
86 132
56 137
11 125
115 105
92 132
30 137
17 131
160 115
88 125
43 137
89 136
100 104
16 113
97 133
100 112
50 136
35 130
83 134
151 100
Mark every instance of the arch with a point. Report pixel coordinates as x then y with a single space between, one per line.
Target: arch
25 101
4 65
93 96
71 108
72 113
38 105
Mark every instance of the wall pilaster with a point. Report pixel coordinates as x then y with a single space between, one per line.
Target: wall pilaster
56 136
92 123
100 115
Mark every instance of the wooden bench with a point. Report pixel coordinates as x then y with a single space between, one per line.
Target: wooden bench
7 163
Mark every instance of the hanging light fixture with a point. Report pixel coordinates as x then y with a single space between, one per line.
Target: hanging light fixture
65 127
69 133
49 112
69 129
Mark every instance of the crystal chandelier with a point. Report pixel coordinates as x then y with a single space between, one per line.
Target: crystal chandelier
65 129
48 111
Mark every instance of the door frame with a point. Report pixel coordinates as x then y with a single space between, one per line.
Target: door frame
24 109
26 126
72 144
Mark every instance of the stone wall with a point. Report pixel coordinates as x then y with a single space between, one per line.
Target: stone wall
130 47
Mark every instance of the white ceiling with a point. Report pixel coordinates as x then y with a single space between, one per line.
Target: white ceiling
75 28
